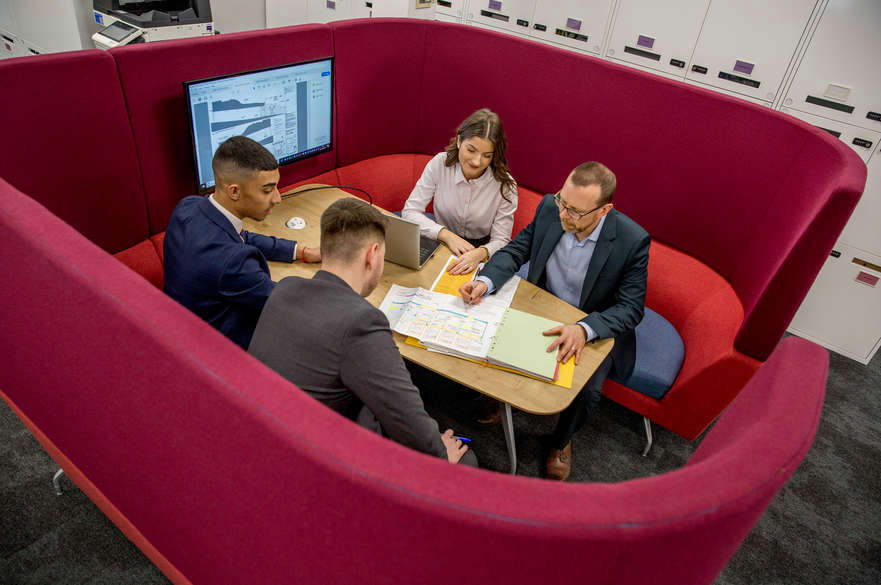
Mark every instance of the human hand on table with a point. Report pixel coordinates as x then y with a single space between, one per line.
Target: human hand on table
468 261
457 245
455 448
571 341
472 291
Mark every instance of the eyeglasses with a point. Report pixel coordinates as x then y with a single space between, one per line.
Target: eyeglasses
573 213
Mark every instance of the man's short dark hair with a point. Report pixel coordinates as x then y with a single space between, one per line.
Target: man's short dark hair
594 173
240 155
347 226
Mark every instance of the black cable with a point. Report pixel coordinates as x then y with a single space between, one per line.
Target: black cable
369 197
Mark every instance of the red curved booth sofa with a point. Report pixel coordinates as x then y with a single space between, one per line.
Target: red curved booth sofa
221 472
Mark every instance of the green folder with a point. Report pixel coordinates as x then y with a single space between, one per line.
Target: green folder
519 344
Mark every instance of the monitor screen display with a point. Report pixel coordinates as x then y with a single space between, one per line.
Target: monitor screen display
288 109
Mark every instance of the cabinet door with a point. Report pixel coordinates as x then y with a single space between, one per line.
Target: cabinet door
746 46
360 9
451 10
286 13
328 10
658 35
508 15
860 140
863 231
842 311
8 45
839 76
572 23
51 26
7 19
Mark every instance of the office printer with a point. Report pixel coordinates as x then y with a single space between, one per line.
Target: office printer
144 21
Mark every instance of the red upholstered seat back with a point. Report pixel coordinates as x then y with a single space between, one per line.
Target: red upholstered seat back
168 390
152 76
735 185
67 142
389 179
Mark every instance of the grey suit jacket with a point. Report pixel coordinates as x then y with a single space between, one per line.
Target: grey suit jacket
613 293
328 340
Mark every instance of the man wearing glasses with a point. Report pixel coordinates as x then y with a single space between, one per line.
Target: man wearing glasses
594 257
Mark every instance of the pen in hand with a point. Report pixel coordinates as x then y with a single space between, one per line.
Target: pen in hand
463 439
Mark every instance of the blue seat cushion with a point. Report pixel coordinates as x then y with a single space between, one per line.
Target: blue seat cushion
659 356
659 353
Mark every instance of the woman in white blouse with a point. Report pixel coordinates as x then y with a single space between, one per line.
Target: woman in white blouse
474 194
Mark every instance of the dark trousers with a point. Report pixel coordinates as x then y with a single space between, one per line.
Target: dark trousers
367 419
477 242
583 407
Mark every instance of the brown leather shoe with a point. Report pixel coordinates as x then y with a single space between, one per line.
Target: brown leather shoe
491 416
559 463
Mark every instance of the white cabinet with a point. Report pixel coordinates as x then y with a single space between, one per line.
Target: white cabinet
572 23
330 10
327 10
747 46
839 76
10 45
285 13
7 19
514 16
51 26
451 10
863 231
860 140
842 311
657 35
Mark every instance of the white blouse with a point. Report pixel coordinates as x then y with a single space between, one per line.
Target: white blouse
470 209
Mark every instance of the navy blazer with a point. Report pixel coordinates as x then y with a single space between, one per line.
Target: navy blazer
210 271
613 293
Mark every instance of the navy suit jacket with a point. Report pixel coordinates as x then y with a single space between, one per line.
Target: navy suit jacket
613 293
210 271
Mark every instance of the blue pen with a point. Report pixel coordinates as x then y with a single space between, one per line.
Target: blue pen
463 439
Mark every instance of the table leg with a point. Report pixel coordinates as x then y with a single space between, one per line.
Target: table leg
508 427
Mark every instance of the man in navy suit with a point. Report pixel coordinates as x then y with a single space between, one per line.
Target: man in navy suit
593 257
212 266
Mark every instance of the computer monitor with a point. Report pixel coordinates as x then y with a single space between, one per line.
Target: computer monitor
288 109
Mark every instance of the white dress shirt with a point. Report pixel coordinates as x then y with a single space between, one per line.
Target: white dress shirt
470 209
566 269
236 222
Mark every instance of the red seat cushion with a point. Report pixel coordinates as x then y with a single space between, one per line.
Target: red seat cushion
144 259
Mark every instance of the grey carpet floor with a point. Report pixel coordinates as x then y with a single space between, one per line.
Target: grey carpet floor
824 526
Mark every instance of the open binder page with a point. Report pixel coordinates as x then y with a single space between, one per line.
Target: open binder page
443 322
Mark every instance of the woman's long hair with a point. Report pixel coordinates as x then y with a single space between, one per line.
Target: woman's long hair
487 125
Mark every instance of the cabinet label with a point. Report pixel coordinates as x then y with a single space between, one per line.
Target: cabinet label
744 67
739 79
829 104
867 278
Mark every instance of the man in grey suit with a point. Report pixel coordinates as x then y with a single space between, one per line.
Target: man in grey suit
593 257
323 335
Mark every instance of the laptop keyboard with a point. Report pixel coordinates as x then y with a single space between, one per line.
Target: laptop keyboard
427 246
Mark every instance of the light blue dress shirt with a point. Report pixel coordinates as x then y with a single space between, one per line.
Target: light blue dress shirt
566 269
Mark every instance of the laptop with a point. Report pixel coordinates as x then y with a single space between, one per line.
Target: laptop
404 245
